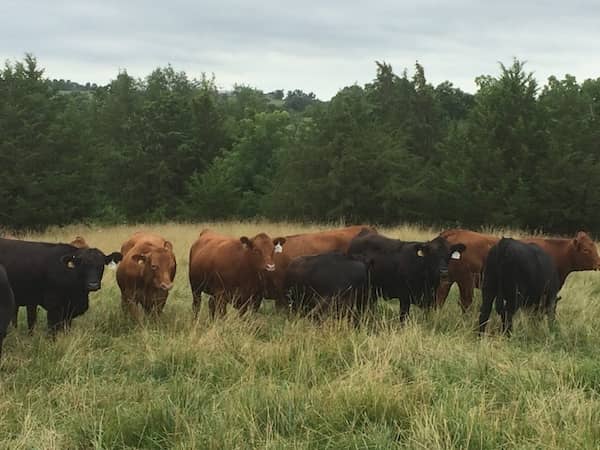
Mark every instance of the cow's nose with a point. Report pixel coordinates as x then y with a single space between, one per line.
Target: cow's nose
166 286
93 286
270 267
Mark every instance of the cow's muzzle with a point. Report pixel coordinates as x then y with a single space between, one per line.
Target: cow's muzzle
166 286
93 286
270 267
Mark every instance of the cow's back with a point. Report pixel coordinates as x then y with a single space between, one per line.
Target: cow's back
216 262
310 244
141 237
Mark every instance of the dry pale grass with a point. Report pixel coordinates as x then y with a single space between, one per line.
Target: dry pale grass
266 381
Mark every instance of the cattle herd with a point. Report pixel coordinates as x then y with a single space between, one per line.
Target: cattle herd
345 269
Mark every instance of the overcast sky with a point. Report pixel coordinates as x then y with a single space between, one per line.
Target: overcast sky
318 46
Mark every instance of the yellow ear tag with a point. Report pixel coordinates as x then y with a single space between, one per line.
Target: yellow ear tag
140 261
71 265
420 253
455 255
278 248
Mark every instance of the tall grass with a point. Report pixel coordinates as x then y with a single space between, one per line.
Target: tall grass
266 381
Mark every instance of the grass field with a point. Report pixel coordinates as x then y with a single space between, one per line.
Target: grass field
265 381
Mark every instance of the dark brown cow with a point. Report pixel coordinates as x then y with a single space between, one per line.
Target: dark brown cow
230 269
304 245
146 274
569 255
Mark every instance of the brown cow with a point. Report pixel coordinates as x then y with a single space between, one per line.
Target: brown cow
146 274
304 245
230 270
467 270
569 255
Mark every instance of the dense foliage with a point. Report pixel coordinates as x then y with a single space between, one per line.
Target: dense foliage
397 149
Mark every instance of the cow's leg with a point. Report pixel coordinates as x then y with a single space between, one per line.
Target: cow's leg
31 317
212 306
551 312
404 307
55 321
508 311
257 301
129 305
244 302
317 311
442 293
222 305
197 301
218 304
466 287
282 303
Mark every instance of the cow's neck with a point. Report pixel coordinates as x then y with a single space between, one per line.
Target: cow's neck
561 252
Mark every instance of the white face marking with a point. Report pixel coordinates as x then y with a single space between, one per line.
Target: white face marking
455 255
278 248
270 267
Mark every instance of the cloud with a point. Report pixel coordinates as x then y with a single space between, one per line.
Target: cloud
312 45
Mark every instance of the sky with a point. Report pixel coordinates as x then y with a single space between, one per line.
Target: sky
316 46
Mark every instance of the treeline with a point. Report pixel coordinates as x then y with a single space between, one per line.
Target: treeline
170 147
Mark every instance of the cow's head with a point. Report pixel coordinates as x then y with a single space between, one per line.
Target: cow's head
87 264
79 242
158 266
584 253
261 249
436 254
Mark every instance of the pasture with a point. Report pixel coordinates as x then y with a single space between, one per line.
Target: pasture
269 381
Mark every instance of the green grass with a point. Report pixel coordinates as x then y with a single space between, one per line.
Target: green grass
266 381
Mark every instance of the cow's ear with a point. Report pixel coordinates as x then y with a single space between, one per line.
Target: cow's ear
278 242
139 258
70 261
114 257
456 250
168 246
247 243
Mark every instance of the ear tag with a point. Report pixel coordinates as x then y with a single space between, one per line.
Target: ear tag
112 265
278 248
140 262
71 265
420 253
455 255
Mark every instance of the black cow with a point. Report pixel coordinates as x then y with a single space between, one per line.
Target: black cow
56 276
327 280
7 305
518 274
409 271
